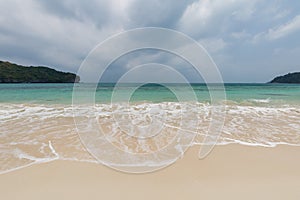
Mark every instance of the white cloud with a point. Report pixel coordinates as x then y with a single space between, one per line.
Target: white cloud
280 31
49 38
61 33
211 16
213 45
281 14
240 35
156 12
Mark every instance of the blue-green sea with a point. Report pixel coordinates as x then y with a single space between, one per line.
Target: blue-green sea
62 93
37 120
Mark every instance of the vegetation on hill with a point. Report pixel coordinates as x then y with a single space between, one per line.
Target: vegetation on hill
288 78
13 73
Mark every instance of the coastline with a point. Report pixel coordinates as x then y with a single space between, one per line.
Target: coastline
229 172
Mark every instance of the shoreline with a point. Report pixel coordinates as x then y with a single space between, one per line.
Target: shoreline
49 160
194 146
229 172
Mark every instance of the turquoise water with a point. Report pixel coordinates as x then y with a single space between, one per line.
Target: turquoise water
37 120
62 93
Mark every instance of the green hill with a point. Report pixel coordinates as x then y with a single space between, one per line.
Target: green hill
13 73
288 78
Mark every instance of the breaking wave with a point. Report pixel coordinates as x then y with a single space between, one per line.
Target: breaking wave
37 133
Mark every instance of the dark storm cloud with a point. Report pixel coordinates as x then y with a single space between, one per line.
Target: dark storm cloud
157 13
251 41
94 11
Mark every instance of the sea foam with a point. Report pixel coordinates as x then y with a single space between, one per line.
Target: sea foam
37 133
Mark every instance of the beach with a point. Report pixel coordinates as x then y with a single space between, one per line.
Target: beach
44 155
229 172
149 100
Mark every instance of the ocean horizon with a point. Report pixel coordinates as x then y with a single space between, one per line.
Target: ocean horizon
58 93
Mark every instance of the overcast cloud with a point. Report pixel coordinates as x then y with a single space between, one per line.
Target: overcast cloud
250 40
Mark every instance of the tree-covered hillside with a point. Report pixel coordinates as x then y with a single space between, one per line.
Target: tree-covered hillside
288 78
13 73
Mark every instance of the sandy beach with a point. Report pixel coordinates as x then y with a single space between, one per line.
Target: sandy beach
229 172
137 84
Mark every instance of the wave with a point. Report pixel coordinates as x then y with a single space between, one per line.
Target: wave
37 133
268 100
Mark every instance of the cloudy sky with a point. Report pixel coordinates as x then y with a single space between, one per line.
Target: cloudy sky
249 40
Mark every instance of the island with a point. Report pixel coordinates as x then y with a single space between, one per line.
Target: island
292 78
13 73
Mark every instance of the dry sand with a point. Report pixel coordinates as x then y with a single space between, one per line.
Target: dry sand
229 172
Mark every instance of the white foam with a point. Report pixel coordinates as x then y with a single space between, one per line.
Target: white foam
268 100
53 150
25 126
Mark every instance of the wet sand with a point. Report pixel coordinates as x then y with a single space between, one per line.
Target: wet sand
229 172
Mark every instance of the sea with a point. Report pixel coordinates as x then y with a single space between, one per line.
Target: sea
37 120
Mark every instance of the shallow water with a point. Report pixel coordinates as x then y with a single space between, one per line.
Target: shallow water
62 93
36 120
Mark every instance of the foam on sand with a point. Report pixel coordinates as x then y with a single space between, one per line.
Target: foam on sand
36 133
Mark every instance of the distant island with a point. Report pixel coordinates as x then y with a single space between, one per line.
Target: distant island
13 73
288 78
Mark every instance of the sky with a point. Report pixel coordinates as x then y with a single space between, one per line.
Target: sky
249 40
